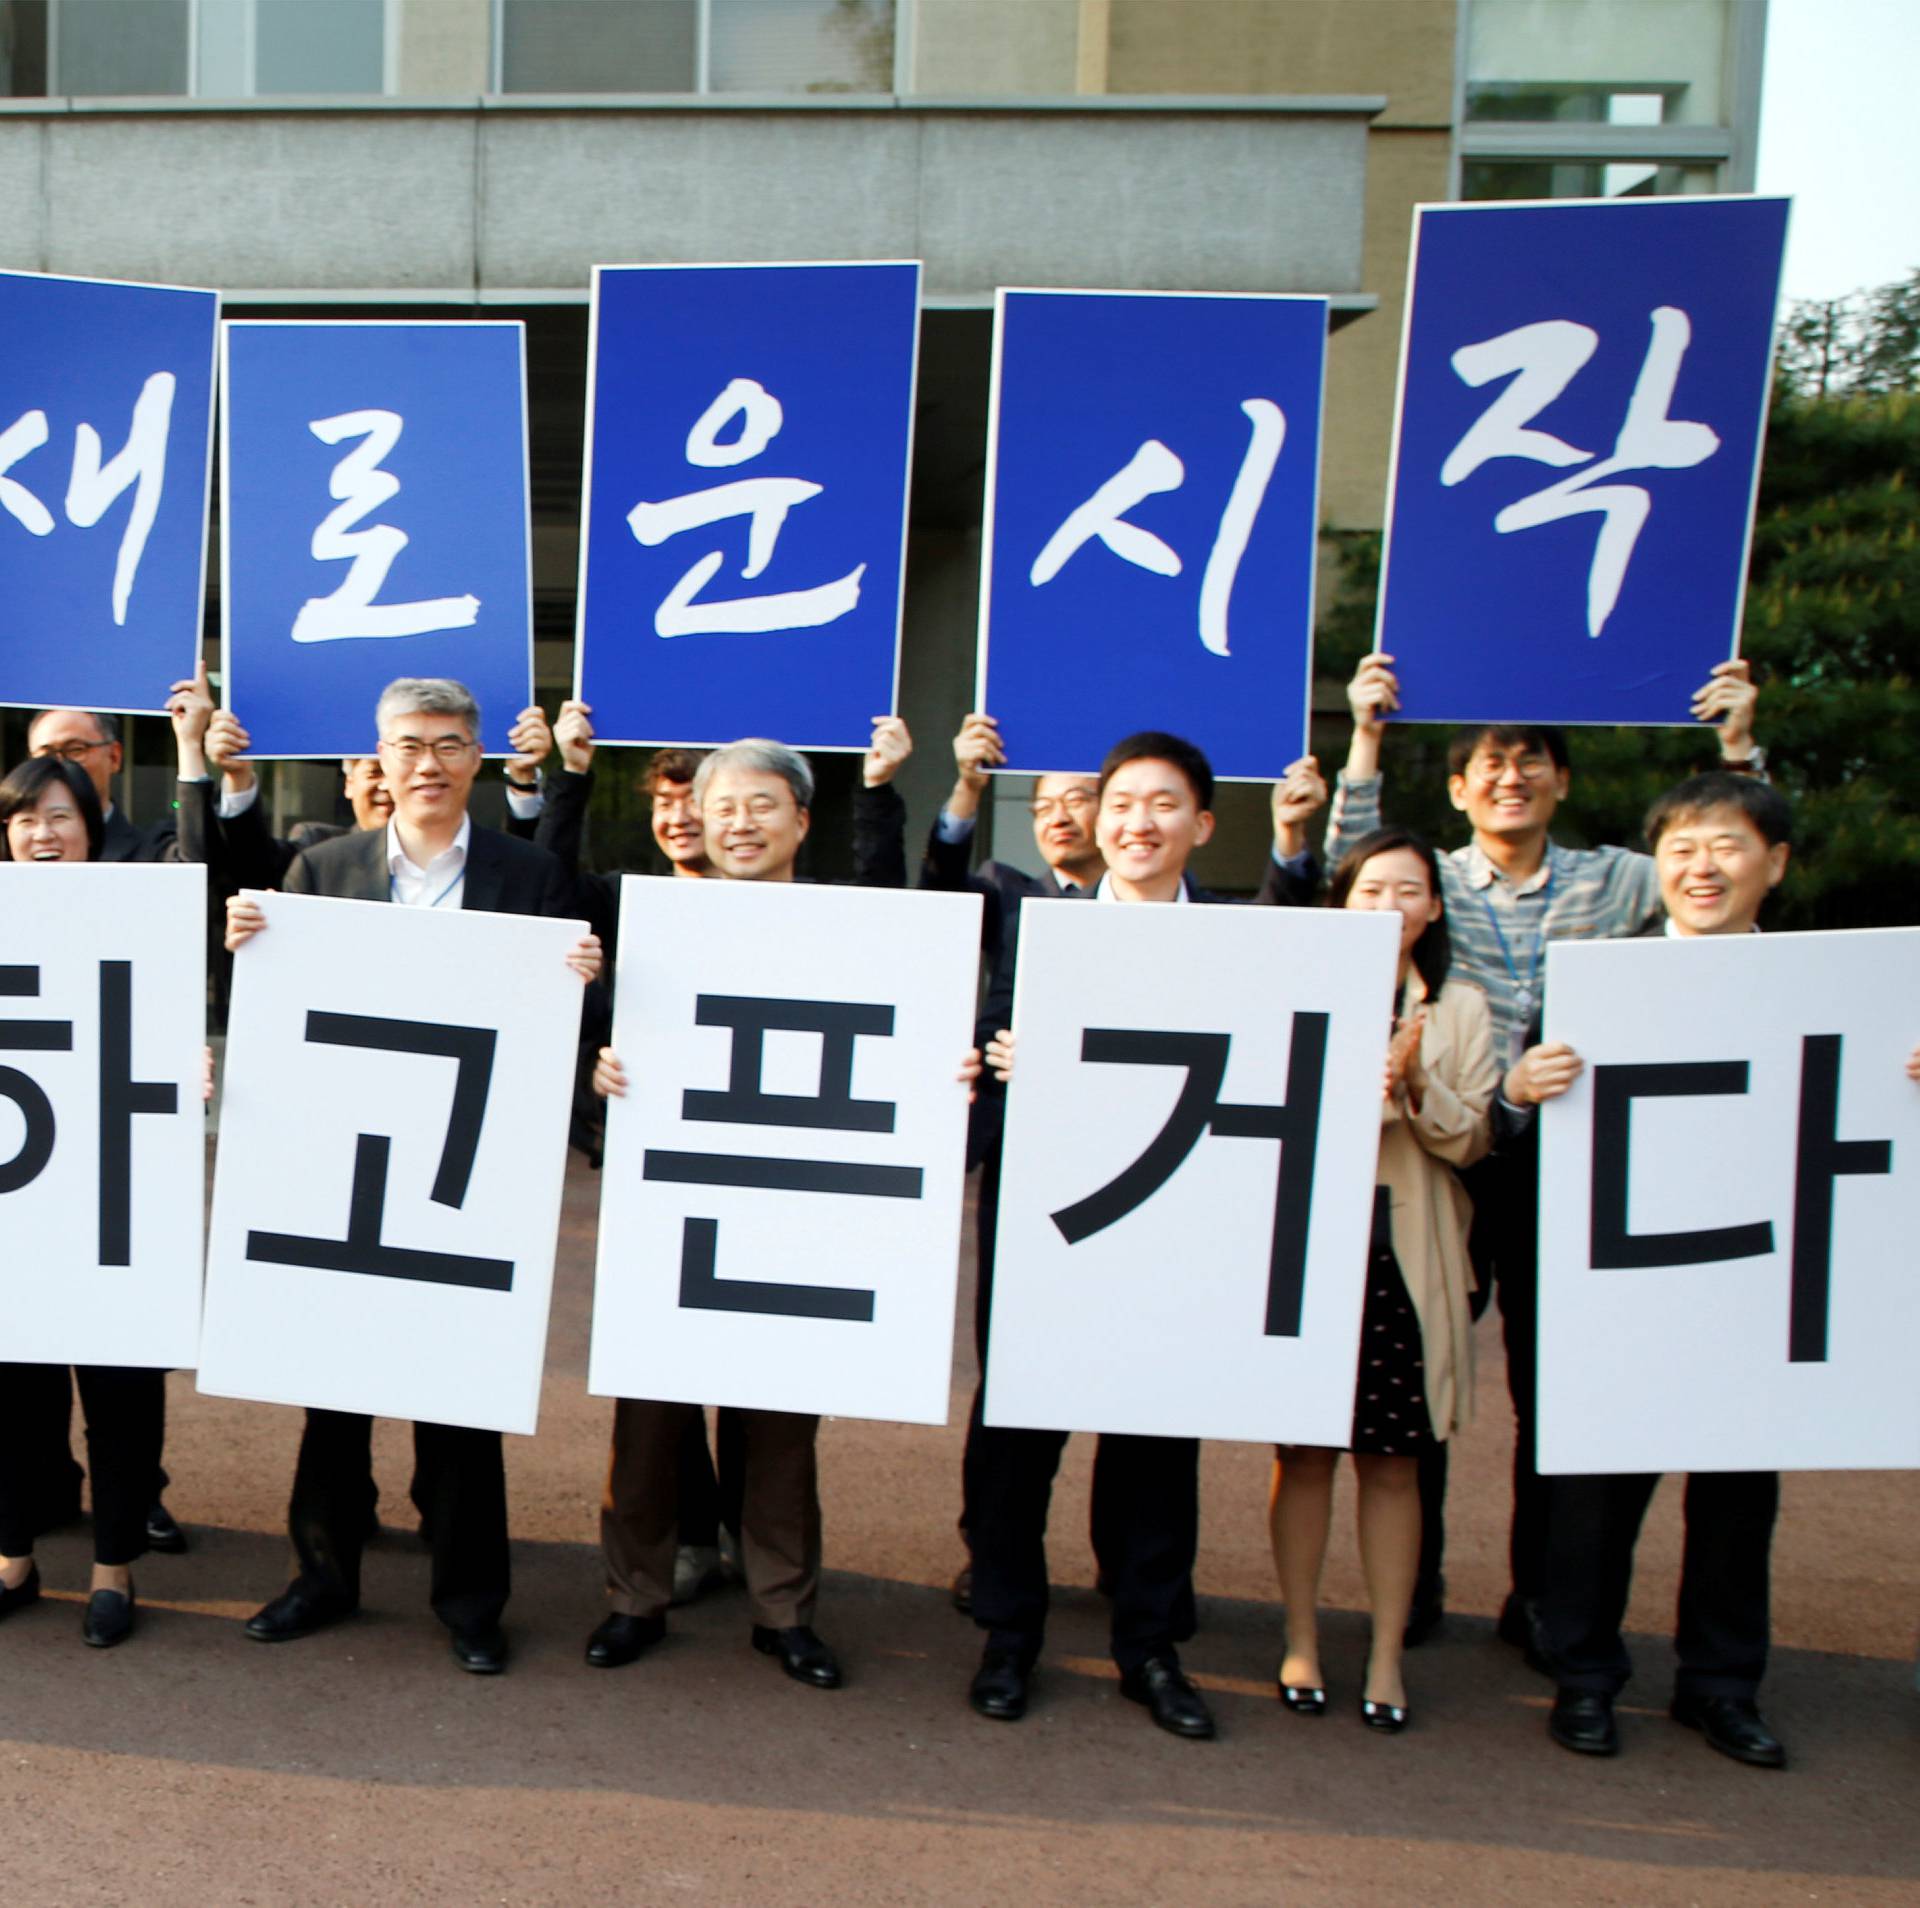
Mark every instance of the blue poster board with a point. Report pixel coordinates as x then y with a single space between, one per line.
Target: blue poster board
106 444
375 517
1151 520
743 522
1583 391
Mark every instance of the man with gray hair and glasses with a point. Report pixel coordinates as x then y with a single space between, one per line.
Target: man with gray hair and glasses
755 800
429 855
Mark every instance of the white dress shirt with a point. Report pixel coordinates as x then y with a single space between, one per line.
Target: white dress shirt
440 883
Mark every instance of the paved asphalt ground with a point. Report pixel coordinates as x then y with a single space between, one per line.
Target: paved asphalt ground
360 1766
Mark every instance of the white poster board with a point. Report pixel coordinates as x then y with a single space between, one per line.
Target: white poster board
393 1134
103 990
780 1213
1183 1250
1729 1198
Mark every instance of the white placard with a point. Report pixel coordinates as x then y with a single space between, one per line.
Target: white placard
780 1219
393 1135
1728 1200
1226 1302
103 991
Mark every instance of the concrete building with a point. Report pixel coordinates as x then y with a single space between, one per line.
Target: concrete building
415 157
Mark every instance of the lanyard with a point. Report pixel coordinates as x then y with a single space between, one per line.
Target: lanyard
1526 992
393 889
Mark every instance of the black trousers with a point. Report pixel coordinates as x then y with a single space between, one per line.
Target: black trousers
459 1485
709 1496
1504 1247
1145 1512
125 1411
1721 1634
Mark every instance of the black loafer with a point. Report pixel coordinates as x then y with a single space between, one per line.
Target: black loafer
1583 1722
26 1591
802 1654
999 1687
109 1619
295 1613
621 1639
1389 1717
1302 1699
1732 1725
163 1534
962 1592
481 1652
1174 1703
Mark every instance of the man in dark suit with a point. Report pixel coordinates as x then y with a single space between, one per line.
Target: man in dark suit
1155 810
1720 845
429 855
1064 808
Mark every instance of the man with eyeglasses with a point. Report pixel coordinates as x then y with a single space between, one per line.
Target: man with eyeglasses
755 799
1508 892
429 855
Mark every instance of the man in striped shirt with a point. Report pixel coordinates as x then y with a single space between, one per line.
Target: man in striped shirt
1508 892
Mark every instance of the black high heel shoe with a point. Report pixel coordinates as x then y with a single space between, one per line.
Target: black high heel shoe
1390 1717
1301 1699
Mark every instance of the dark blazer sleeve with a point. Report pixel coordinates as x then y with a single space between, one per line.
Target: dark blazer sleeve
946 864
1289 884
879 837
240 850
562 824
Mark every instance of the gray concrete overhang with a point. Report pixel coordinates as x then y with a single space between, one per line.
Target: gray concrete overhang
511 200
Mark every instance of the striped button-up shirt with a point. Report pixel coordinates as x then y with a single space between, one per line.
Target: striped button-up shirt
1500 927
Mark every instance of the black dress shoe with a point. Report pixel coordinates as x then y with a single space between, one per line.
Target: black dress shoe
999 1688
294 1613
1583 1722
1390 1717
163 1534
1174 1702
802 1654
109 1619
1520 1625
1732 1725
620 1639
1302 1699
963 1591
26 1591
481 1652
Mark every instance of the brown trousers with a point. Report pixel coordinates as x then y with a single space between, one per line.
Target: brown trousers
779 1510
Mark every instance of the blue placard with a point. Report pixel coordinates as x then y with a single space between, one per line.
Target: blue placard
748 435
374 504
1583 392
106 433
1152 495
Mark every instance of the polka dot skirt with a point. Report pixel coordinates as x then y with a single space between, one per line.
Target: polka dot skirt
1390 1401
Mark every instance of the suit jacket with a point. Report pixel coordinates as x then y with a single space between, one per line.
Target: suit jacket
504 875
122 841
242 852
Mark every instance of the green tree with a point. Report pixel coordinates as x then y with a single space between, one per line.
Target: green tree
1832 628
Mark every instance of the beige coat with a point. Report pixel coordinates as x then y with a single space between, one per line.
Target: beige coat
1430 1211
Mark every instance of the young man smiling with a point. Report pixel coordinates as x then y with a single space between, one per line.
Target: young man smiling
1156 809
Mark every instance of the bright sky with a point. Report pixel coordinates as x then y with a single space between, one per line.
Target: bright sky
1838 131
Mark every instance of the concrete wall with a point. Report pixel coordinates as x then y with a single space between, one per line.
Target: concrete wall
501 200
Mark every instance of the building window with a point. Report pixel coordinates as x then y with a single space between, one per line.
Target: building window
209 49
1580 179
694 46
1576 60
